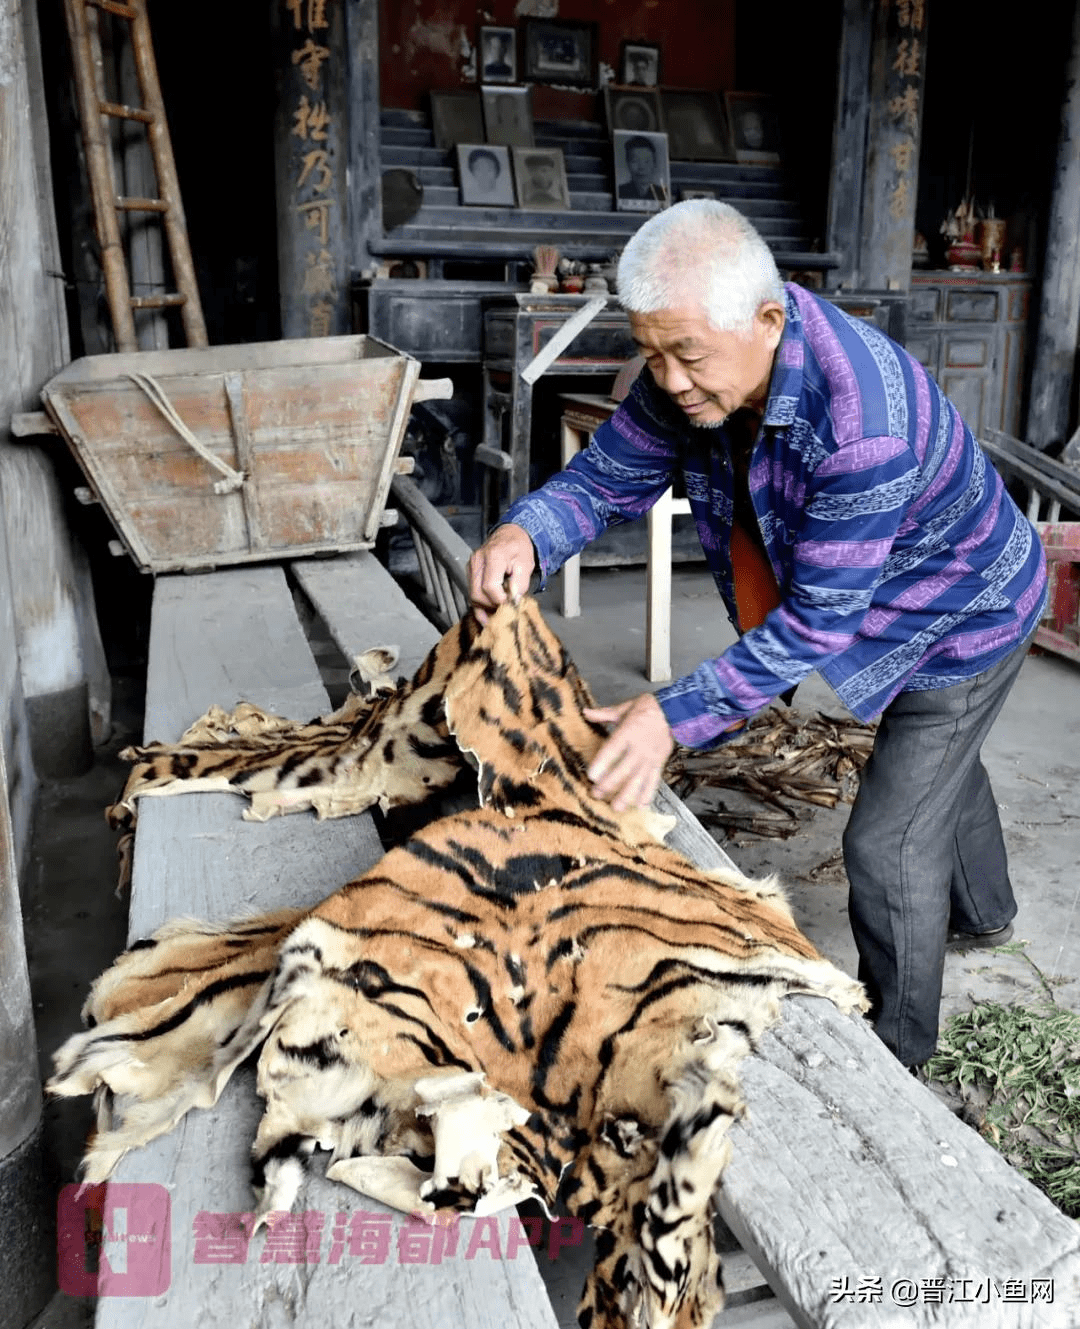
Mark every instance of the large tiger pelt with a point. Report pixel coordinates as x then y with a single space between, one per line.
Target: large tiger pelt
537 994
391 747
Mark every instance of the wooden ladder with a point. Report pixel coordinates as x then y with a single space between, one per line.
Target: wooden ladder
95 113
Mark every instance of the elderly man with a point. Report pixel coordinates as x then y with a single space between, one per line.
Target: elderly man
853 526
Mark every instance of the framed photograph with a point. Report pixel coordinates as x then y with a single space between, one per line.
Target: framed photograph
456 117
685 193
557 52
754 128
484 172
642 171
508 116
541 179
636 109
497 55
639 64
696 126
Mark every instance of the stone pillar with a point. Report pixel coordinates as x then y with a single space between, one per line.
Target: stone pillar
1059 305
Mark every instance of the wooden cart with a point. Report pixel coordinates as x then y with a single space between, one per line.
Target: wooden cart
240 454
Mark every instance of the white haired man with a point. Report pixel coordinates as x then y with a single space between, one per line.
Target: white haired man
853 526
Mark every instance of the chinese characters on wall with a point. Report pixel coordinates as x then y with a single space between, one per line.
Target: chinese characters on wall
905 86
311 189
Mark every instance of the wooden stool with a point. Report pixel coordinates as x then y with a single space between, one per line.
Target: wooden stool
582 416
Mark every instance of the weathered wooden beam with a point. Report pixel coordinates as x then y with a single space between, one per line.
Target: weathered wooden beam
311 149
365 167
33 342
222 637
845 1168
31 424
894 127
1059 304
449 549
1043 474
844 215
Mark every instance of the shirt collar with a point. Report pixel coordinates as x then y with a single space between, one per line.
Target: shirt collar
785 387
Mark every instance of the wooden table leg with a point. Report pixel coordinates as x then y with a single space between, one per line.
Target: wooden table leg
573 440
658 587
658 592
520 437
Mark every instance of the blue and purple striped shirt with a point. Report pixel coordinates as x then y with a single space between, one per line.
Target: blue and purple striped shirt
901 559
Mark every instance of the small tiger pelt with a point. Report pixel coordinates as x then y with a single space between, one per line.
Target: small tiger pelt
532 997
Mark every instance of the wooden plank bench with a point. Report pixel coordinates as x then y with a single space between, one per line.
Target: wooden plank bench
224 637
847 1175
846 1167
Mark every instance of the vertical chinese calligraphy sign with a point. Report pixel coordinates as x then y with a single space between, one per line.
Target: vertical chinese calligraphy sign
310 153
892 163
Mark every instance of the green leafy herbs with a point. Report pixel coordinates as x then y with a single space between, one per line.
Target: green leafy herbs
1016 1073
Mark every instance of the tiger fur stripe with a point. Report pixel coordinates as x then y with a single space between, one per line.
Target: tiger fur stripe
390 748
535 996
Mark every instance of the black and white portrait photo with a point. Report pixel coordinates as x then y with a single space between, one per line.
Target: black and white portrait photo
696 126
642 173
541 178
636 109
560 53
498 55
639 64
754 129
508 116
456 117
484 170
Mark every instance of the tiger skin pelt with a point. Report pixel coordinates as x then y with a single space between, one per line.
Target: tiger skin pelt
537 994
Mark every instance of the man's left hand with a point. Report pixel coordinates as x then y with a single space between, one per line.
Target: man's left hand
627 769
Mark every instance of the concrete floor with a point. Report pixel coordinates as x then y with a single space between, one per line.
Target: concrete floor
1033 757
75 923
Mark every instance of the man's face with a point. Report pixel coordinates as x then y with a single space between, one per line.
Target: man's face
485 173
639 162
709 374
543 176
753 129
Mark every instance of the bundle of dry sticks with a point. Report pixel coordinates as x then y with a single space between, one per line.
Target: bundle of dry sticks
781 755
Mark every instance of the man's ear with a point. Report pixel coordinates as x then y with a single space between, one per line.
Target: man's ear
770 319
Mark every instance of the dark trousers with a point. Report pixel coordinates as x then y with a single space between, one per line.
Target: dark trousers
924 851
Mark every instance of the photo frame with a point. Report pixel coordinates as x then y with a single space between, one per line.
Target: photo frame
639 64
508 116
485 176
696 126
496 55
456 117
755 130
636 109
642 171
560 52
540 174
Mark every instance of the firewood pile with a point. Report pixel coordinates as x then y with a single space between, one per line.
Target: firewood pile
782 760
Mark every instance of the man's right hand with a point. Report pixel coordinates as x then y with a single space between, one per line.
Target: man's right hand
507 552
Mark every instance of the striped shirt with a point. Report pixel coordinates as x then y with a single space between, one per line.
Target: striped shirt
902 561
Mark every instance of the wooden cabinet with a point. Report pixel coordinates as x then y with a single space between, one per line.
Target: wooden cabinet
970 330
433 320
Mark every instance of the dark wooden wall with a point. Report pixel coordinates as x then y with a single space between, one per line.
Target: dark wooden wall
421 45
